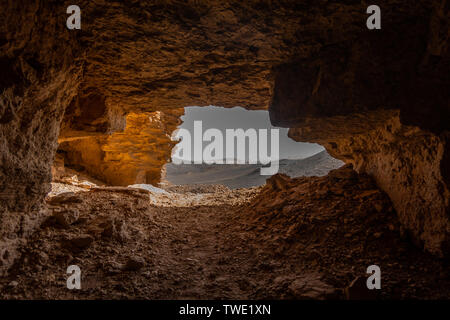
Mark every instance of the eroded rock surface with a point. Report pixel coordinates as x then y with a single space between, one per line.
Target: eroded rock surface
302 238
134 155
39 79
405 161
314 60
380 101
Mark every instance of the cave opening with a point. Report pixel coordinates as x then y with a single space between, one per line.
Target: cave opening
145 151
237 148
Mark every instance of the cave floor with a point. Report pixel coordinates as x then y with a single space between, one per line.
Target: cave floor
304 238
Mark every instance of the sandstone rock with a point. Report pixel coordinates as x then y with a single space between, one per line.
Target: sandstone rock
65 198
112 267
116 229
66 218
389 153
134 156
79 243
310 286
134 263
345 172
278 181
43 258
107 227
378 207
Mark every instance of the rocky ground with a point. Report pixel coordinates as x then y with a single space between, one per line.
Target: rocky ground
302 238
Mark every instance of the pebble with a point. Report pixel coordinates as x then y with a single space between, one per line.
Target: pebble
134 264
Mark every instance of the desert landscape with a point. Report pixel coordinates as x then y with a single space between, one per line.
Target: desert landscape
237 176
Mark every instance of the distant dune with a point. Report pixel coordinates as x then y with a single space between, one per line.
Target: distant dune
247 175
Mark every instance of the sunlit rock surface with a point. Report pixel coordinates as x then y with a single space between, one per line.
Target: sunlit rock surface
132 156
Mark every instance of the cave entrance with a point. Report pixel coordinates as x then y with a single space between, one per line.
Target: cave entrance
238 148
145 153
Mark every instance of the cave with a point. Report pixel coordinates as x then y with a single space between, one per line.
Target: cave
103 101
238 148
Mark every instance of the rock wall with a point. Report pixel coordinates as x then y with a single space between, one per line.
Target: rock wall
38 79
381 103
405 161
135 155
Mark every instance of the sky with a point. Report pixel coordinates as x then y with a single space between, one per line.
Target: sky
237 117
